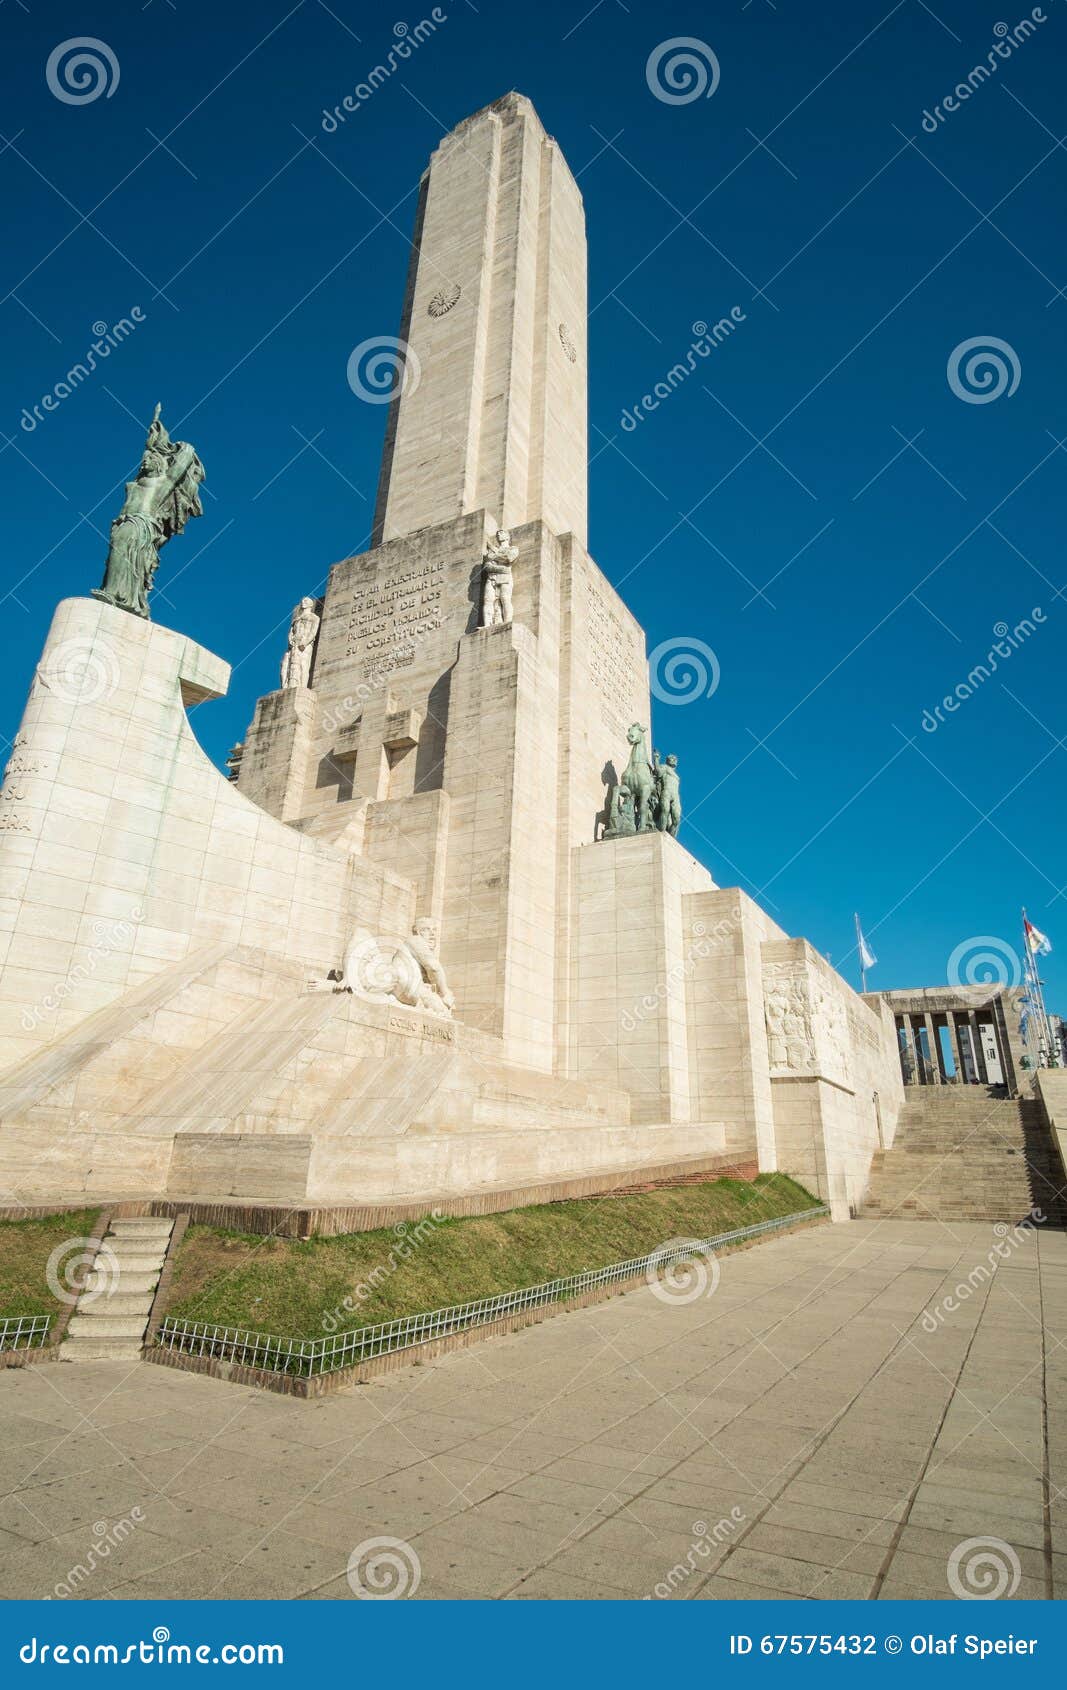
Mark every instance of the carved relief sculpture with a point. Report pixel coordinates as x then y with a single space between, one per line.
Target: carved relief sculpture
157 506
434 994
497 579
303 632
409 973
789 1025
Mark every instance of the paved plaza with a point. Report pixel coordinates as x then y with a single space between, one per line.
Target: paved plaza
817 1425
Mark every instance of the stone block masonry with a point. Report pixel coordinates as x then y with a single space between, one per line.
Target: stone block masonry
494 415
580 1008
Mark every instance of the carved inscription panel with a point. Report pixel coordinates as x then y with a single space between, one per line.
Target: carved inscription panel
615 660
392 615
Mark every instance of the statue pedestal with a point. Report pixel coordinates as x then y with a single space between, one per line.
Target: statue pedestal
276 761
499 931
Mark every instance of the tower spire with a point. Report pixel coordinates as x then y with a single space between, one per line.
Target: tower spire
492 412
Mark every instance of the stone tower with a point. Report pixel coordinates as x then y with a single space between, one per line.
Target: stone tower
494 415
469 758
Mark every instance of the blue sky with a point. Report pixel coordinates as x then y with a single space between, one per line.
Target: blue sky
817 504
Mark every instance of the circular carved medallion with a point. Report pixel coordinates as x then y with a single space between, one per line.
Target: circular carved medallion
444 299
567 343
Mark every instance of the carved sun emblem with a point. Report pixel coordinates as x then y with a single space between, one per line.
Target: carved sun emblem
567 343
444 299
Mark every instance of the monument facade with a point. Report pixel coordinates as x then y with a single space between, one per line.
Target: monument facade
441 935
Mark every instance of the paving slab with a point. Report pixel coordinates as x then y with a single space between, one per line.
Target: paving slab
851 1451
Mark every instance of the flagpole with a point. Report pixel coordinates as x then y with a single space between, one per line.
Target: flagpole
859 952
1031 988
1035 986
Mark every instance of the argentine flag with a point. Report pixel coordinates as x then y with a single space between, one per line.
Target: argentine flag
1038 943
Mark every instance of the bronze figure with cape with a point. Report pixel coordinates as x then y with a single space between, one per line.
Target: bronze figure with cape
157 506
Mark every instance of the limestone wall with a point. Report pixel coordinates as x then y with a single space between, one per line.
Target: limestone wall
472 760
631 959
834 1071
121 845
1050 1086
493 409
729 1067
697 1003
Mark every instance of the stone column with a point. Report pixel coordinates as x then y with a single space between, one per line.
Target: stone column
911 1049
963 1064
979 1055
936 1076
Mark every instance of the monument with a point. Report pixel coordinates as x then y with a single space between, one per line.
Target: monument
392 960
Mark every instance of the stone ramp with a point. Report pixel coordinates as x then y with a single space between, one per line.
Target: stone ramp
112 1313
51 1073
225 1078
968 1153
238 1079
71 1115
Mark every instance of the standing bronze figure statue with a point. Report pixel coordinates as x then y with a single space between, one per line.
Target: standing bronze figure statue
157 506
669 812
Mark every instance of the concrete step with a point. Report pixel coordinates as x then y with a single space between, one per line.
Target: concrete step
149 1227
127 1262
131 1242
112 1323
962 1153
120 1302
132 1284
90 1325
100 1349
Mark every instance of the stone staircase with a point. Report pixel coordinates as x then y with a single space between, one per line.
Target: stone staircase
113 1309
968 1153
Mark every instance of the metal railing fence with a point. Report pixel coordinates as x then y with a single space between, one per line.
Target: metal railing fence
307 1357
24 1331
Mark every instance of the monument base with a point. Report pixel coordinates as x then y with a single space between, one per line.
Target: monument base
160 1038
230 1080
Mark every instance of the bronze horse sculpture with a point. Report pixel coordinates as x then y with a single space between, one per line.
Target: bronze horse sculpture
637 776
